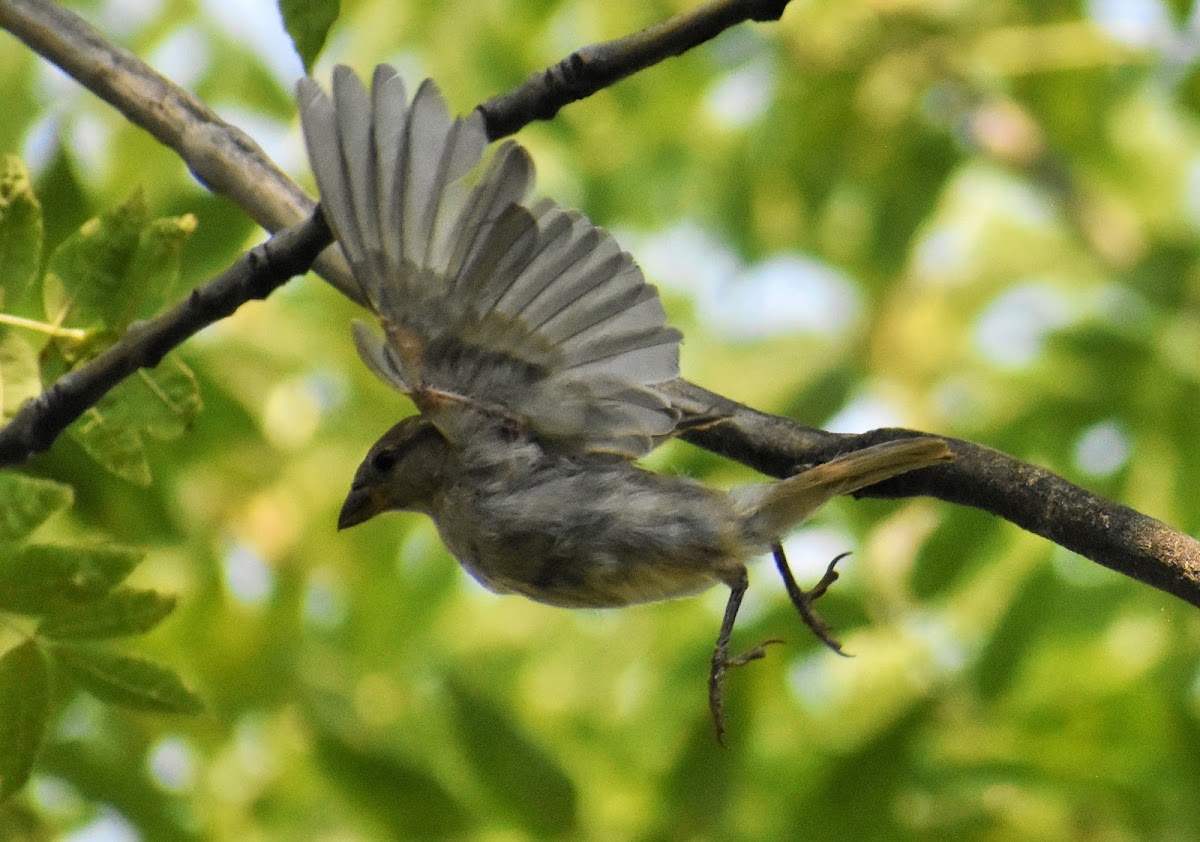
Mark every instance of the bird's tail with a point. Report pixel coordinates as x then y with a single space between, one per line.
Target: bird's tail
772 509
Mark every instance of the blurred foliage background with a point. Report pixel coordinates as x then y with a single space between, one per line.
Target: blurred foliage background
978 219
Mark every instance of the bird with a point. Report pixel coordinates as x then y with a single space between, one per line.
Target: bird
531 345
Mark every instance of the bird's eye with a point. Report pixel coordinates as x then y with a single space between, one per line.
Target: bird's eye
385 460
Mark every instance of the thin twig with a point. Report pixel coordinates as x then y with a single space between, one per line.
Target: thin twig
42 327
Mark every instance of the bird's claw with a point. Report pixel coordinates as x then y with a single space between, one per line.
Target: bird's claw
721 661
803 600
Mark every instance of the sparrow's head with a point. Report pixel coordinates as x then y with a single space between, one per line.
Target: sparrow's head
401 472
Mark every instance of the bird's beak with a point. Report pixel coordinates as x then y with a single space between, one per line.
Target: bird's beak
359 507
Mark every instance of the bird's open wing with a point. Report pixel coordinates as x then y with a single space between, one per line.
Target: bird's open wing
531 312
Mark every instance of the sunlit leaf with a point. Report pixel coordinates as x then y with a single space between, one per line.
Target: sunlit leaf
117 447
123 612
20 375
169 398
125 680
161 402
118 267
87 277
156 263
42 578
20 234
24 711
28 501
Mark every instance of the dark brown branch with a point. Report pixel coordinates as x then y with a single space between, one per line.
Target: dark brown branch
1031 497
599 66
256 274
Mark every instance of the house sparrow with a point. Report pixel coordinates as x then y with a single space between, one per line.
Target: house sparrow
531 344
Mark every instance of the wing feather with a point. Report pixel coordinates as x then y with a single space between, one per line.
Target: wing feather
631 312
533 311
431 144
390 101
352 107
505 183
378 356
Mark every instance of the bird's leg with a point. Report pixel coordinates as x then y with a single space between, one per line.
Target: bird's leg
804 601
721 660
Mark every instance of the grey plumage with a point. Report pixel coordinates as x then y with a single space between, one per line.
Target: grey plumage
532 346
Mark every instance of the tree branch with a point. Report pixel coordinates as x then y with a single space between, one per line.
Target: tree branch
229 163
256 274
599 66
1030 496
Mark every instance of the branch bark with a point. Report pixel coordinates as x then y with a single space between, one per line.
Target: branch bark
229 163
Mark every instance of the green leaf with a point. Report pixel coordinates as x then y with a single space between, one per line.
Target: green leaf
117 267
122 612
168 398
161 402
28 502
86 278
115 446
308 23
20 233
20 375
156 263
125 680
44 579
528 784
24 712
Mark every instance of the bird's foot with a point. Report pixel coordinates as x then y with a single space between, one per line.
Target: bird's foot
721 661
803 600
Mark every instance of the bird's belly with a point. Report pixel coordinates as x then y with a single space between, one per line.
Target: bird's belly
604 537
594 578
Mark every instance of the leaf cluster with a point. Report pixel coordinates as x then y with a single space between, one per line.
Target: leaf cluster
56 601
118 267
